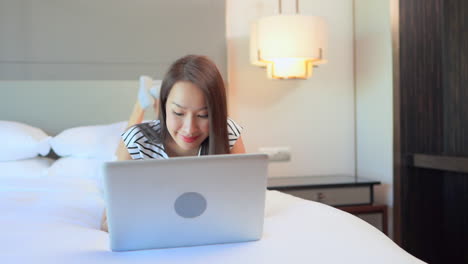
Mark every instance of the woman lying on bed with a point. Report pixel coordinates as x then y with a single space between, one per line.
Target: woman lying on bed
192 117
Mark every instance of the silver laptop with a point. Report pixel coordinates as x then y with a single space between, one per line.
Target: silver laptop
185 201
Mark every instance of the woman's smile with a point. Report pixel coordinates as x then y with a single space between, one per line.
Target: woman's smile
189 139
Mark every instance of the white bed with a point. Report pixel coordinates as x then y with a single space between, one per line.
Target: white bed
51 212
56 220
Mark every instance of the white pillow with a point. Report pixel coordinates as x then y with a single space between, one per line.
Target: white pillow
21 141
98 141
28 168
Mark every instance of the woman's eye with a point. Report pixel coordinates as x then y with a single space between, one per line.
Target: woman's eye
177 114
203 116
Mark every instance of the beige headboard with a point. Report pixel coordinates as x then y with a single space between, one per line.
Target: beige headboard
70 63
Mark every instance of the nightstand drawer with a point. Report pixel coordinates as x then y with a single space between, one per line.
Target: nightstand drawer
337 196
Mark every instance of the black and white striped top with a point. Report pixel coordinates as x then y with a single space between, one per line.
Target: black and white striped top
140 140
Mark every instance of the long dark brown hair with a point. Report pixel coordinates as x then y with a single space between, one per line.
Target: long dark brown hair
203 73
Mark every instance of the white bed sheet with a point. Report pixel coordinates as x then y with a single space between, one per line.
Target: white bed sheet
56 220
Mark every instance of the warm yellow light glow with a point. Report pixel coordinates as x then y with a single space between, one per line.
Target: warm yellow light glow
289 68
288 45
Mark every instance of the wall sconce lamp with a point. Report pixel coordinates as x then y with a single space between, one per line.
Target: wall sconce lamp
289 46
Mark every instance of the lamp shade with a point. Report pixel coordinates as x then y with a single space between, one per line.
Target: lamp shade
288 45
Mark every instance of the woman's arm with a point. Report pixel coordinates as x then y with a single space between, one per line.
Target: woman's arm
136 117
238 147
104 226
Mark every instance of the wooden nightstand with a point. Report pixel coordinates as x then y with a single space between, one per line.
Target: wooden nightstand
355 196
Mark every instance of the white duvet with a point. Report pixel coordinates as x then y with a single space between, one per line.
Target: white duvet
56 220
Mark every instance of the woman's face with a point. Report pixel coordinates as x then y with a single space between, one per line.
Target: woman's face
187 116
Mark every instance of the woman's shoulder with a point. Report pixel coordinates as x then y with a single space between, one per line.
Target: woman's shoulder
152 124
147 131
234 129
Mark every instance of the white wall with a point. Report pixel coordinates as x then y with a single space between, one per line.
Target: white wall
106 39
374 97
314 117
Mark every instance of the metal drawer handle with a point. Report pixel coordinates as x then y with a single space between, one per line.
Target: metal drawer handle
320 197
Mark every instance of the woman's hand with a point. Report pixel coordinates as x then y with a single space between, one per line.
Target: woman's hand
148 92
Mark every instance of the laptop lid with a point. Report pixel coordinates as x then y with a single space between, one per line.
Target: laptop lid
185 201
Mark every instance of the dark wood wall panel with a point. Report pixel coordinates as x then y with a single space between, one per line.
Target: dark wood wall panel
433 120
423 214
421 75
455 73
455 101
420 93
455 221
